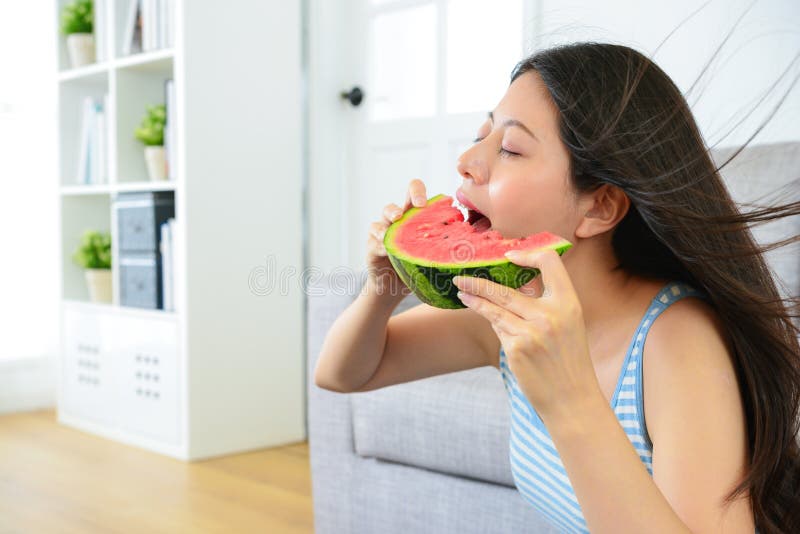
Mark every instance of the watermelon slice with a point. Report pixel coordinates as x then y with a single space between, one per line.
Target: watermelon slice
428 246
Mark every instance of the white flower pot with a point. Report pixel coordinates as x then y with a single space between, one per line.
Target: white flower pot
81 48
99 283
156 162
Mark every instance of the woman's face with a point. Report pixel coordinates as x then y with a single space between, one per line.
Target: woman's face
517 172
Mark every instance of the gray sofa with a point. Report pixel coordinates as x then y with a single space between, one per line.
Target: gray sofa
432 455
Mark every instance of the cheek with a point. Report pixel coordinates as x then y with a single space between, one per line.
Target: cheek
524 207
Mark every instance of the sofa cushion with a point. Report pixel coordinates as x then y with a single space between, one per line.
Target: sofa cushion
457 423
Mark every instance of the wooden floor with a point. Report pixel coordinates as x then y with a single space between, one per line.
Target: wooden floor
54 479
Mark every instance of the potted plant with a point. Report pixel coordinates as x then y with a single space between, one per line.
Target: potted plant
151 133
94 255
76 24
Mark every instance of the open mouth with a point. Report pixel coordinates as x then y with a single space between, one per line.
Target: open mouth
478 220
475 218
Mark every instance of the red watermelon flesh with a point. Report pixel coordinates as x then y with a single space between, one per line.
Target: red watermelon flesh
428 246
439 234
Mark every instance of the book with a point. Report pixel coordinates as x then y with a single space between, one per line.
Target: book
93 149
170 129
105 138
132 44
83 150
95 141
173 233
167 264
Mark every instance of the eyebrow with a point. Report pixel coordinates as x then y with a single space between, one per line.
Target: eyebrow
513 122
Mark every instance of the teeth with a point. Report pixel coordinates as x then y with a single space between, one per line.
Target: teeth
462 208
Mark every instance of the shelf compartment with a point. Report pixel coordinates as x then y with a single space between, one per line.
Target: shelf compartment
80 213
71 94
88 388
137 87
147 377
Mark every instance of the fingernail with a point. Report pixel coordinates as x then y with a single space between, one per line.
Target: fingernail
512 254
396 214
464 297
420 200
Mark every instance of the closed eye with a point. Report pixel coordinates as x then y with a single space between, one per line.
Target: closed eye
506 153
503 152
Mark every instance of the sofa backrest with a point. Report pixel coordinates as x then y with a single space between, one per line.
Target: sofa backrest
757 175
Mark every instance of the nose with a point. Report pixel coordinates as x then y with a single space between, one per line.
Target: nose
472 165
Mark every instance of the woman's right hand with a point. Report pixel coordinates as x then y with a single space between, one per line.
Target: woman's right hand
381 274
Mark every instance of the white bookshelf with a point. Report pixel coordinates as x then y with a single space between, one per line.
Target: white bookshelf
224 371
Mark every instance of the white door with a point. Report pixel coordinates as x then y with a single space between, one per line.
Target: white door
429 70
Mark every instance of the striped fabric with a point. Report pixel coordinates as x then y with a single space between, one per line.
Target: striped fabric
538 472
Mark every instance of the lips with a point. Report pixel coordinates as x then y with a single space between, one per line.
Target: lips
475 217
464 200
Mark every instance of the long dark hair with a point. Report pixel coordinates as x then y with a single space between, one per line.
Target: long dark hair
626 123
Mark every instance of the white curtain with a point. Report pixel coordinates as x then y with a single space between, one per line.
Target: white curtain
29 262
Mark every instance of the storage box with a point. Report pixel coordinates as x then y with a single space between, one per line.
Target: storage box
139 218
140 279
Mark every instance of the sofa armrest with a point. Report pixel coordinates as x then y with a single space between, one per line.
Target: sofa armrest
330 420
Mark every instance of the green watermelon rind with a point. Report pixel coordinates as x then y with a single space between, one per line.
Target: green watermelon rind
432 282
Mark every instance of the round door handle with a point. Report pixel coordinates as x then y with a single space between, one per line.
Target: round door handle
355 96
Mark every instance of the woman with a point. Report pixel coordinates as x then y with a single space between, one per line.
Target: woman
694 430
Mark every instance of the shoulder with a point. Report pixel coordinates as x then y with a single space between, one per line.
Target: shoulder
694 319
687 362
695 416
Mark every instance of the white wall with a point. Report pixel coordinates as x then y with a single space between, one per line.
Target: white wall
760 49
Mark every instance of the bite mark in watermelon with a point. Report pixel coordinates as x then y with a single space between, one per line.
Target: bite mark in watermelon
428 246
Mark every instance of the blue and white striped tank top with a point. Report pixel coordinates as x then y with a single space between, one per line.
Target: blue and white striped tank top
538 472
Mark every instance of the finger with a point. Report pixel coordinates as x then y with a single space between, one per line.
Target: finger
415 195
555 278
377 230
392 212
534 288
501 319
375 246
498 294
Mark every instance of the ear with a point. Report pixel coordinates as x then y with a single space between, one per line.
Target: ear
602 210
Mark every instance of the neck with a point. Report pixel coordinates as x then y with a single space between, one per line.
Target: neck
598 287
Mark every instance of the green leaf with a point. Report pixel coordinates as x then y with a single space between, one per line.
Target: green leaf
94 251
77 17
151 129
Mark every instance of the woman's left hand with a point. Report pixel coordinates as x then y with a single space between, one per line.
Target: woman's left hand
544 338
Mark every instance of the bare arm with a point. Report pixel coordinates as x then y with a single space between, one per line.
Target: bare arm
353 346
697 424
368 349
